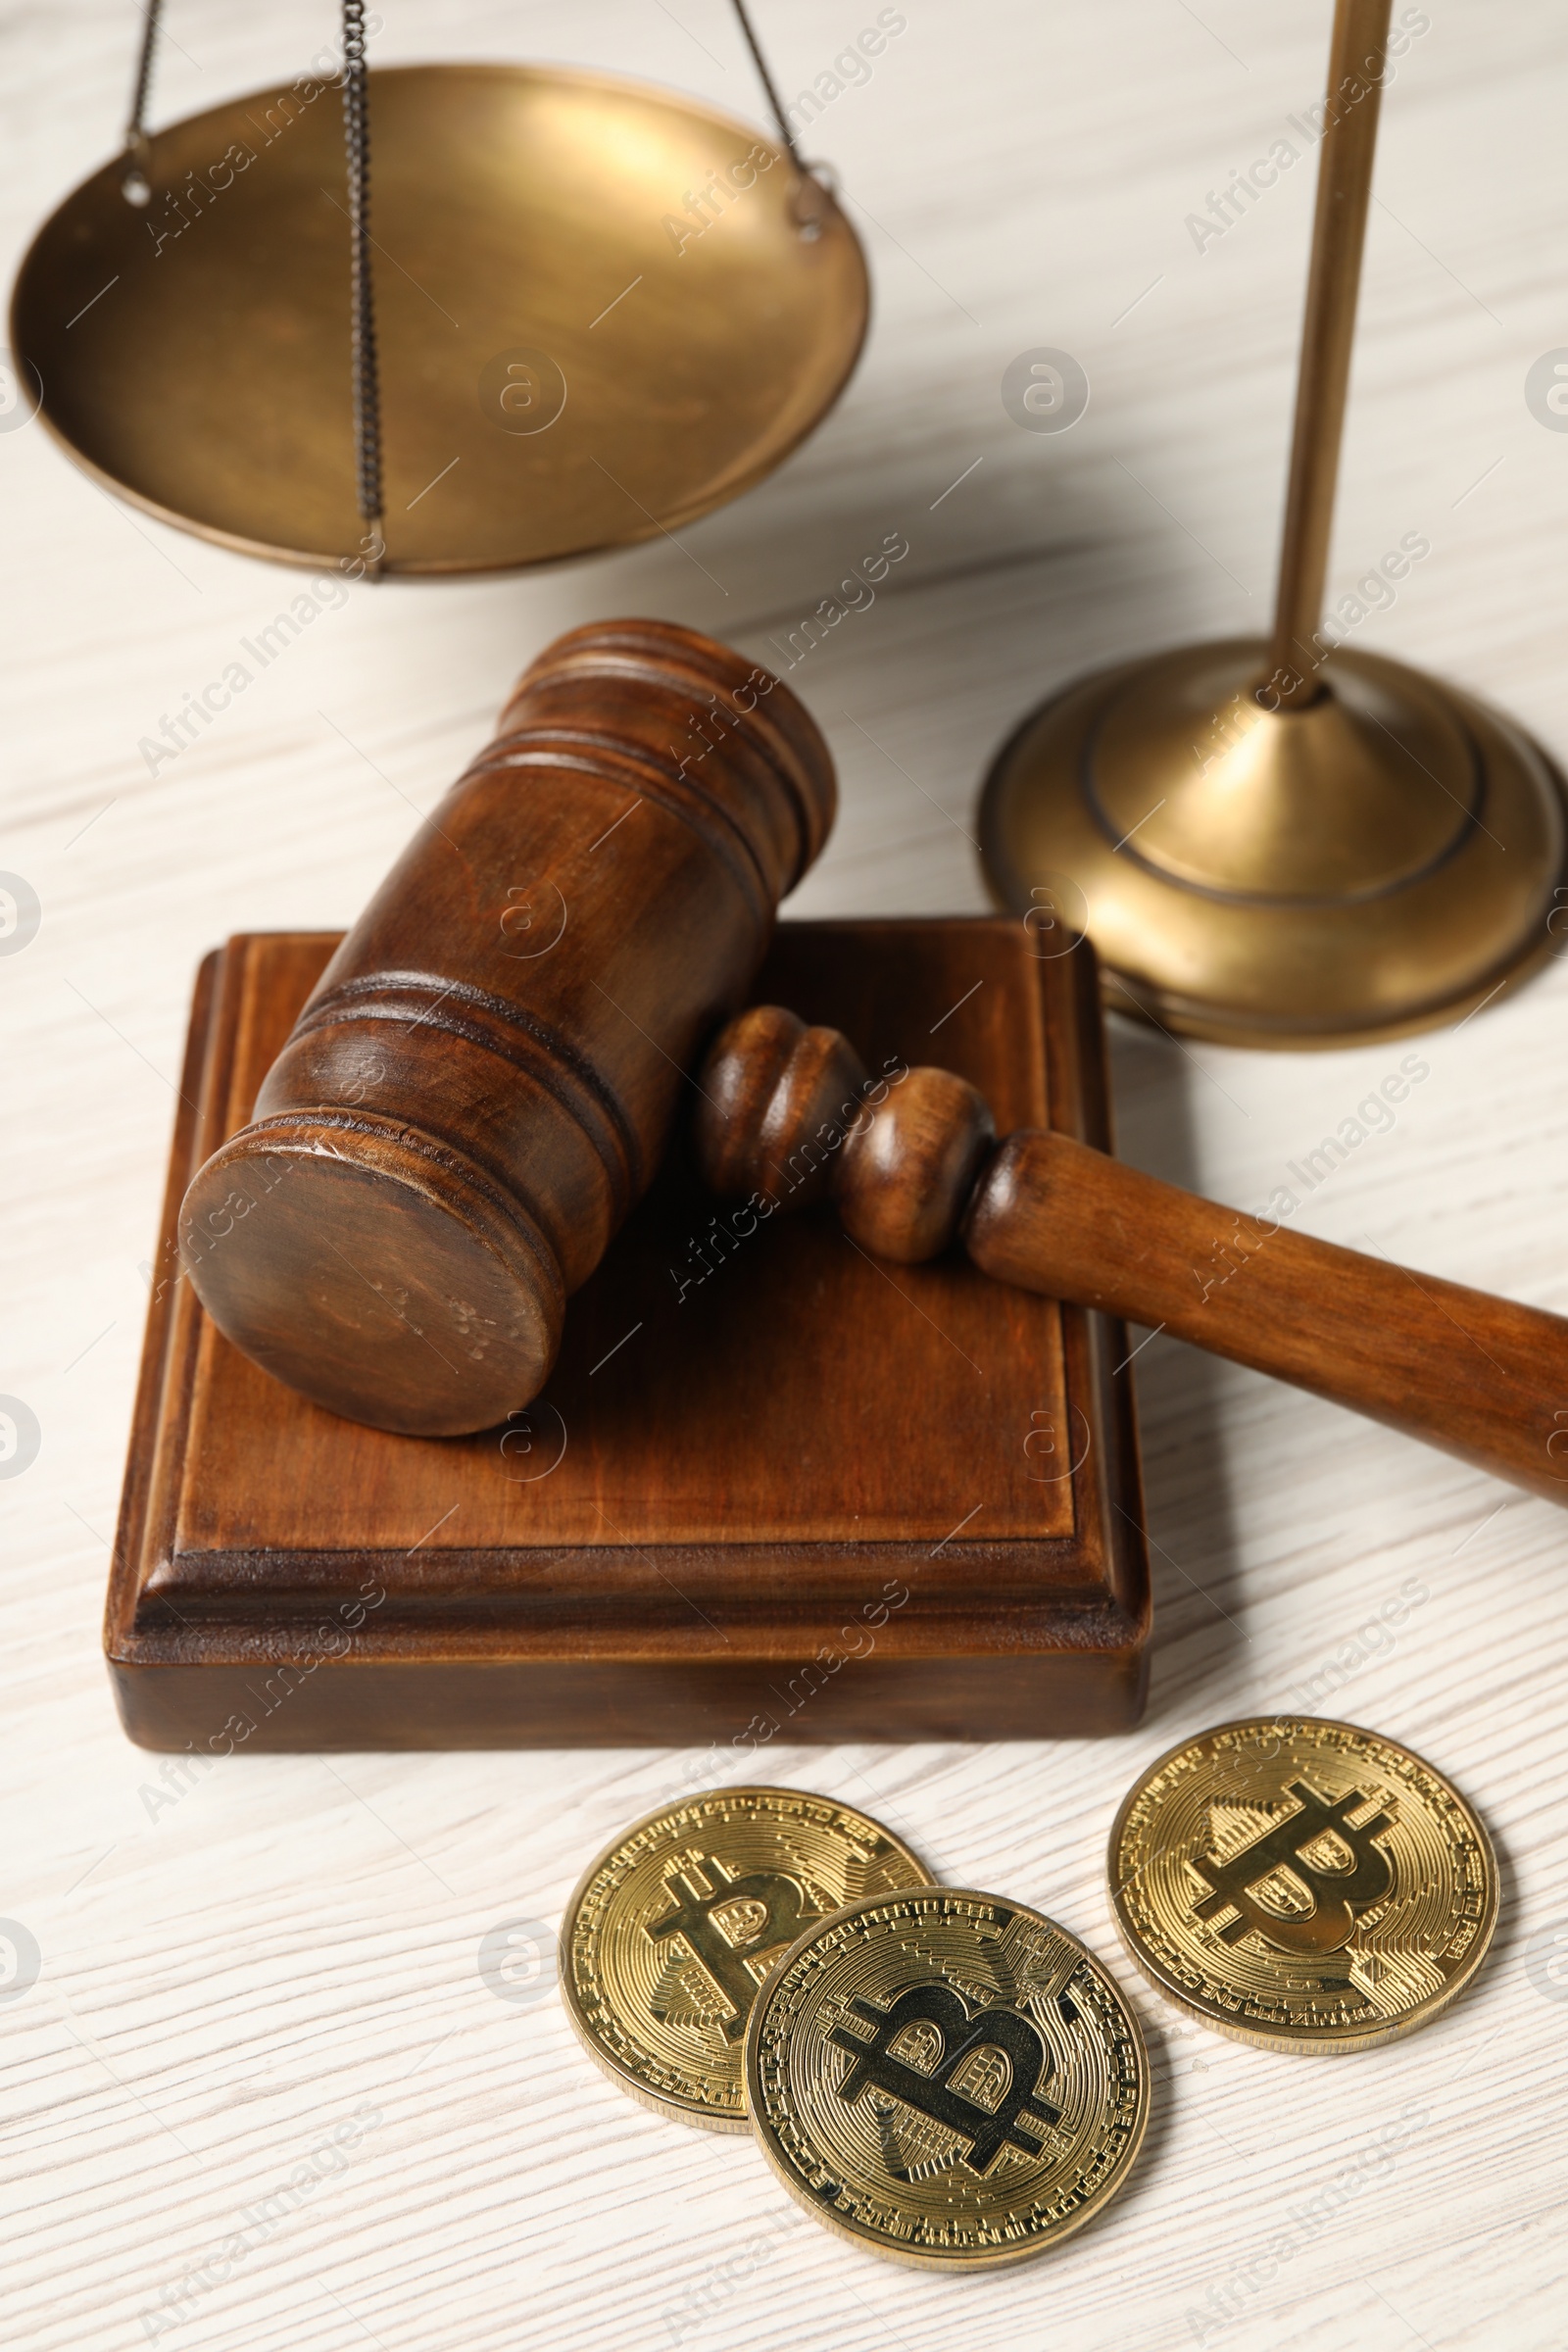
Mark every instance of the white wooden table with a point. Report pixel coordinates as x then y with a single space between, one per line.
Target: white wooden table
227 1981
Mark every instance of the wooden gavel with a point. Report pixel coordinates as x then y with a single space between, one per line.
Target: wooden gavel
485 1078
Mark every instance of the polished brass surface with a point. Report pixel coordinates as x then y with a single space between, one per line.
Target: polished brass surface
946 2078
674 1927
1367 865
1288 843
1357 50
570 358
1303 1884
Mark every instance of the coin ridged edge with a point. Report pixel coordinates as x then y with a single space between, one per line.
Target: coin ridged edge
993 2259
1305 2044
671 2105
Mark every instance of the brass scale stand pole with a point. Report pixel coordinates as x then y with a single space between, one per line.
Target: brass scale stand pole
1296 843
1332 286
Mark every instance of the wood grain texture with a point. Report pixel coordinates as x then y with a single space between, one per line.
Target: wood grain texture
226 1977
768 1489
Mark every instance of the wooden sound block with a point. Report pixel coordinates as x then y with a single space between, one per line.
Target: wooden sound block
774 1489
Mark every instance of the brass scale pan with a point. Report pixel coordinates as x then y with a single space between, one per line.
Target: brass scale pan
570 359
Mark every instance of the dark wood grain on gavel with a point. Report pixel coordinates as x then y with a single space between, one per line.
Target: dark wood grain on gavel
911 1160
483 1080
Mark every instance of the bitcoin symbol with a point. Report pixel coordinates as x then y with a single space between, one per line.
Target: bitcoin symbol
953 2034
1338 1895
784 1914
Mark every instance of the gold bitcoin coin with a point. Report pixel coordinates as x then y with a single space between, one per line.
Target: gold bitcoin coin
1303 1884
675 1925
946 2078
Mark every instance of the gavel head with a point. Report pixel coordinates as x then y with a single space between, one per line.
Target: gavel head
790 1116
485 1078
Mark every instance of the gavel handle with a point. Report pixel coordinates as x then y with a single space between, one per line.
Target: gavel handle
912 1161
1478 1375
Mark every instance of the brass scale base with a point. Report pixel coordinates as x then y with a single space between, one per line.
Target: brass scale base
1383 859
